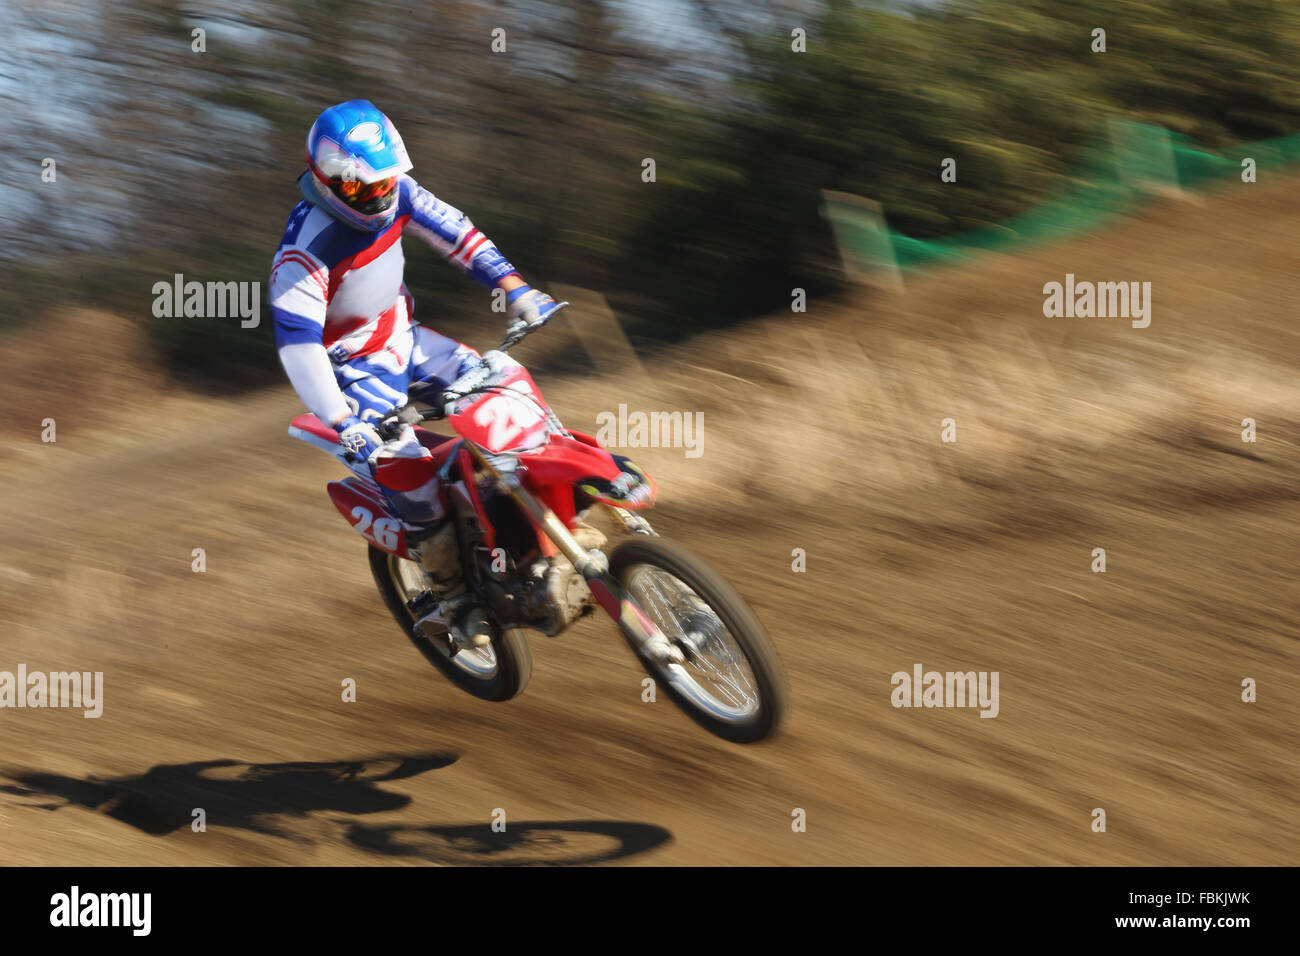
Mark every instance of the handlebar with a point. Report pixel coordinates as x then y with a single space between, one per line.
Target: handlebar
514 338
390 426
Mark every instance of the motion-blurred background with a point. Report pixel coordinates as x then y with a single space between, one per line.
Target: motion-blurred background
176 161
1120 690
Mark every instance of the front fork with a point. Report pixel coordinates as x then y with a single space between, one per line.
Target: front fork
644 634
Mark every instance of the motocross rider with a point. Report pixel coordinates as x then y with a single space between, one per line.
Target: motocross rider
343 317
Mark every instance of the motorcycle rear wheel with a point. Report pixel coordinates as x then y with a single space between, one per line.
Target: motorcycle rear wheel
496 672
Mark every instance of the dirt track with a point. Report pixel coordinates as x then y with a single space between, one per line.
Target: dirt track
1118 690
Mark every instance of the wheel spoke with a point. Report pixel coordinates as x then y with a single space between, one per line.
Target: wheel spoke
716 674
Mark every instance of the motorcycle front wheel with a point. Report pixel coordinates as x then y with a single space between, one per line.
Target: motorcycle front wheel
731 681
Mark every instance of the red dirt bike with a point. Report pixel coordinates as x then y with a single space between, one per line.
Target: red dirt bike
518 485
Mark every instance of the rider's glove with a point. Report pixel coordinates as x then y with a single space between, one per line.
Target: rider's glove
528 308
358 437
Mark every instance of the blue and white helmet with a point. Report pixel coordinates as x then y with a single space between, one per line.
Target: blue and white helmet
355 155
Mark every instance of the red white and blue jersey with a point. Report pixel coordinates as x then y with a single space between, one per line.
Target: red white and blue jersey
341 288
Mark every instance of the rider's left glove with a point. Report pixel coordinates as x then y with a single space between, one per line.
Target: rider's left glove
528 308
358 437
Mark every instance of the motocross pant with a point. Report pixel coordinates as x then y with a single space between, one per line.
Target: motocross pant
377 384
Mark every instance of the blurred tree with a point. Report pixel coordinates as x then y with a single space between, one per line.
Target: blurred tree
187 161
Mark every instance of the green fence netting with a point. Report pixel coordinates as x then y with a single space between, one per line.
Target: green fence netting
1144 160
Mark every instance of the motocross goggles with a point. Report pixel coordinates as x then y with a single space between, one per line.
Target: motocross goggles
366 198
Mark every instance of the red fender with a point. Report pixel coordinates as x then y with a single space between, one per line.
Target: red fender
363 506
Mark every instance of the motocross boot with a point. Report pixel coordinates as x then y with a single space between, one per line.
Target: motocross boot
456 611
438 557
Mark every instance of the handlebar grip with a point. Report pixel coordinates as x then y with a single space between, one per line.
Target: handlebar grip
390 426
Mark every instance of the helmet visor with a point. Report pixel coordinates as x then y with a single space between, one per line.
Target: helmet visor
367 198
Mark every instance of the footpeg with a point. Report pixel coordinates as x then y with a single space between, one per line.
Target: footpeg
423 604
